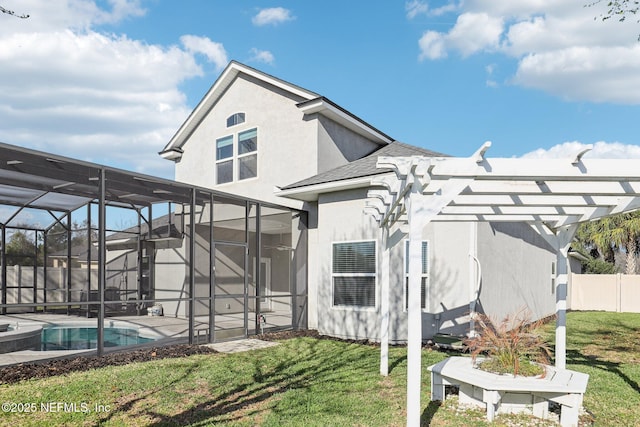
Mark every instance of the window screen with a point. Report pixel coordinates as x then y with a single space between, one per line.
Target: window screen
224 172
354 274
247 167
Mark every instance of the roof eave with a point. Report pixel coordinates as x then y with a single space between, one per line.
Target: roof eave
172 154
310 193
328 109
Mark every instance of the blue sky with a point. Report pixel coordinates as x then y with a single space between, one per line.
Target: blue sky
111 81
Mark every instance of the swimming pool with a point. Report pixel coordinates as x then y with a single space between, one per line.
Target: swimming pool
84 338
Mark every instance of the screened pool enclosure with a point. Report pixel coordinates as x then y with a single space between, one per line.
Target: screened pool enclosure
81 242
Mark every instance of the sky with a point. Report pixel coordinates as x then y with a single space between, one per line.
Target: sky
111 81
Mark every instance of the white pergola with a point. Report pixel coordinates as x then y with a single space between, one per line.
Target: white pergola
551 195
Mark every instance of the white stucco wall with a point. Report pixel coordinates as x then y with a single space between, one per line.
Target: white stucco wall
338 145
341 218
286 150
171 279
516 270
291 146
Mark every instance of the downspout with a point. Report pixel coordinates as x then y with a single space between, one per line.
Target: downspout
192 263
475 295
475 277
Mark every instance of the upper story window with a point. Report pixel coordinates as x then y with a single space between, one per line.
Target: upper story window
235 119
248 154
224 159
237 157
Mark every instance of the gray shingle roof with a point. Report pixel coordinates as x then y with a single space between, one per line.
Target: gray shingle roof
365 166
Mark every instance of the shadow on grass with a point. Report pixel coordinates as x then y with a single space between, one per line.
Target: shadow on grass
311 363
397 362
574 357
429 413
128 405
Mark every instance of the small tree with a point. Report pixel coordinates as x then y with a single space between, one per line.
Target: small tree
22 250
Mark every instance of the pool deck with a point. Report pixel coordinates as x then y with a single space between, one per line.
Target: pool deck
168 330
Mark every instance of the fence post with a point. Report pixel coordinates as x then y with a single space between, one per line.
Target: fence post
618 292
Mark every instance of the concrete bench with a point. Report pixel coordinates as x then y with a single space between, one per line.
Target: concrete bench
509 394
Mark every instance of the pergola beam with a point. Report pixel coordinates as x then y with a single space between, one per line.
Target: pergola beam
534 169
515 199
520 185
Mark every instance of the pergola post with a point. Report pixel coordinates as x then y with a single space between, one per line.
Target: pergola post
560 240
563 242
414 328
384 300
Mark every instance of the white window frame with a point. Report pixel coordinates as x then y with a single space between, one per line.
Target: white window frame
244 155
226 159
424 277
374 275
244 118
236 156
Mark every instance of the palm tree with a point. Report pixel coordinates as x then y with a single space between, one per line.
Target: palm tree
617 233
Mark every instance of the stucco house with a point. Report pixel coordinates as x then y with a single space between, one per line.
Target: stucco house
260 137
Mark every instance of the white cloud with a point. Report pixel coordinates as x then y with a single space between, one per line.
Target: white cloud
489 70
121 9
415 8
558 46
474 32
597 74
272 16
444 9
600 150
263 56
214 51
77 15
432 46
105 98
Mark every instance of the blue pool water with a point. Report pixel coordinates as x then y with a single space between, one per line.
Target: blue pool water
83 338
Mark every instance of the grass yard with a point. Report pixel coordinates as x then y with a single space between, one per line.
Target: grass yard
311 382
607 347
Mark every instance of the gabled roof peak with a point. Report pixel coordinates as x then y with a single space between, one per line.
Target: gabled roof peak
172 150
310 102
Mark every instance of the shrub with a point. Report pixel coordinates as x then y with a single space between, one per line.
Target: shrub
512 346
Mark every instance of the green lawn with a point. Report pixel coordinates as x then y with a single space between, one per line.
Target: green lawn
311 382
607 347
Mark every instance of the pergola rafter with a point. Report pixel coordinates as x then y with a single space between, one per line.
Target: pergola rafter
552 195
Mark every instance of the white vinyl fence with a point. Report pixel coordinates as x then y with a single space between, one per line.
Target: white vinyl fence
606 292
